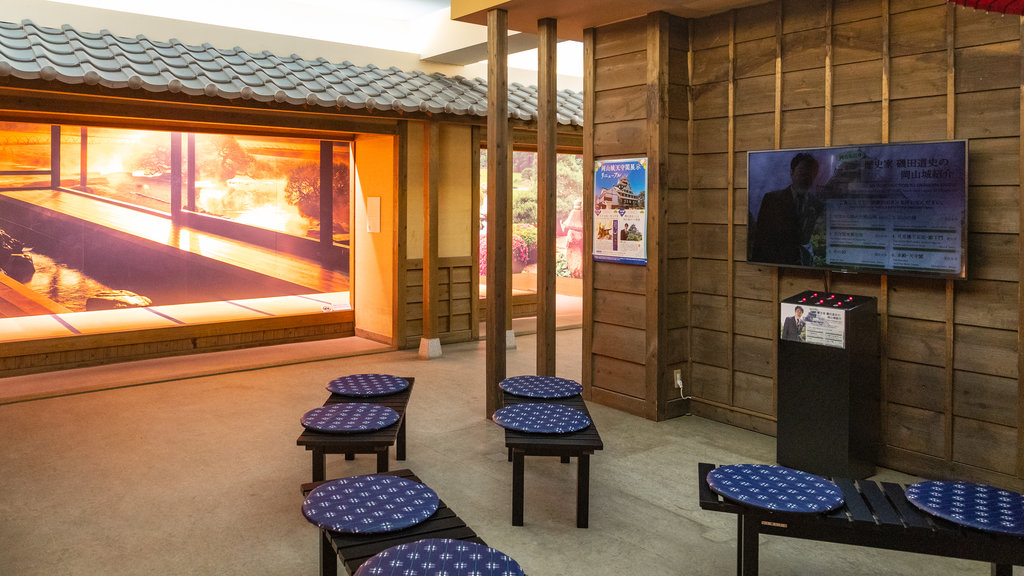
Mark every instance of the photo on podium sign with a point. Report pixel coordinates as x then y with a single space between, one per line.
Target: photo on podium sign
822 325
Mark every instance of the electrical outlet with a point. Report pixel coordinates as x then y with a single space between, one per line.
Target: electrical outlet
678 378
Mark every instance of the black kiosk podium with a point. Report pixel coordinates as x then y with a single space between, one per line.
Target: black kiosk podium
828 393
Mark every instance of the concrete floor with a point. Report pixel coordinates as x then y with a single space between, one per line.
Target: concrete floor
200 475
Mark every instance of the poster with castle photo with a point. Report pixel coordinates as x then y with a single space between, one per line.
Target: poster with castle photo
620 210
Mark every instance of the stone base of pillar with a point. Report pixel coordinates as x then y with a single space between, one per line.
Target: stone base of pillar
430 348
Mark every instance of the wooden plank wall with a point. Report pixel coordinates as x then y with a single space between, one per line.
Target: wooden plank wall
455 316
803 73
615 347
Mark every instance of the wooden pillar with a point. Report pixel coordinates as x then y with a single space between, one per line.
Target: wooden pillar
498 197
326 198
190 196
55 156
589 97
83 177
176 166
547 197
430 344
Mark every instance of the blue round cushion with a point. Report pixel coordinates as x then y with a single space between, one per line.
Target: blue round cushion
434 556
369 504
354 417
975 505
538 417
775 488
367 385
541 386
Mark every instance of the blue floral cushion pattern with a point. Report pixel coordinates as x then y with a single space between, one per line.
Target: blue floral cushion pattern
775 488
541 386
367 385
354 417
975 505
369 504
436 556
544 418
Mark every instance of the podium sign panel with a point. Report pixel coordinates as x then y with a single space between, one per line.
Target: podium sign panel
828 392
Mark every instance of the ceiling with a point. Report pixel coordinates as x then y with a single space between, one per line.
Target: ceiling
574 16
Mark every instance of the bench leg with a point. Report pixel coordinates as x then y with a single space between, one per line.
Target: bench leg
382 460
518 472
565 459
319 465
747 546
1002 570
583 491
400 444
350 456
509 454
328 560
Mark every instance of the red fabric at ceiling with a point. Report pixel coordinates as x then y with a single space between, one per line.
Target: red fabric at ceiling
1002 6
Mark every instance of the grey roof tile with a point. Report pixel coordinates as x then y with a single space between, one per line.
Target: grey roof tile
67 55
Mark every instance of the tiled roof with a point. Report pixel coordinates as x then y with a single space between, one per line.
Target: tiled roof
31 52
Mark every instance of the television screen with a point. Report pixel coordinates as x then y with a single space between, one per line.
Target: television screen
885 208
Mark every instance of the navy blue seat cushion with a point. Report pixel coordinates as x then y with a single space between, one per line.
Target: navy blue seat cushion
968 504
367 385
354 417
775 488
435 556
544 418
369 504
541 386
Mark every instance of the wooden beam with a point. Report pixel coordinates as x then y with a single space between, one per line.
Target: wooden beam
1020 274
401 232
55 156
547 193
176 181
589 97
83 147
657 215
498 198
730 190
326 198
950 285
431 183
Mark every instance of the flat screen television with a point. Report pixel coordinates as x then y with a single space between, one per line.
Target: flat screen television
881 208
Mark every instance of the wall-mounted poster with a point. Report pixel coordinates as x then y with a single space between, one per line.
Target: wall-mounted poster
620 210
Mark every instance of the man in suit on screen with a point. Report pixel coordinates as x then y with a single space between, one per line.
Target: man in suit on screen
786 219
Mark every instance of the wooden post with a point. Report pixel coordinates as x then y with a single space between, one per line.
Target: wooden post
190 196
547 197
589 96
498 197
326 199
55 156
430 344
176 168
83 177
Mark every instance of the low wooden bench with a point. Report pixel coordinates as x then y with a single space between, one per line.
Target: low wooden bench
354 549
875 514
375 442
579 445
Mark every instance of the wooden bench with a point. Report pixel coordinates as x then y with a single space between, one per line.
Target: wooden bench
875 514
354 549
579 445
375 442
